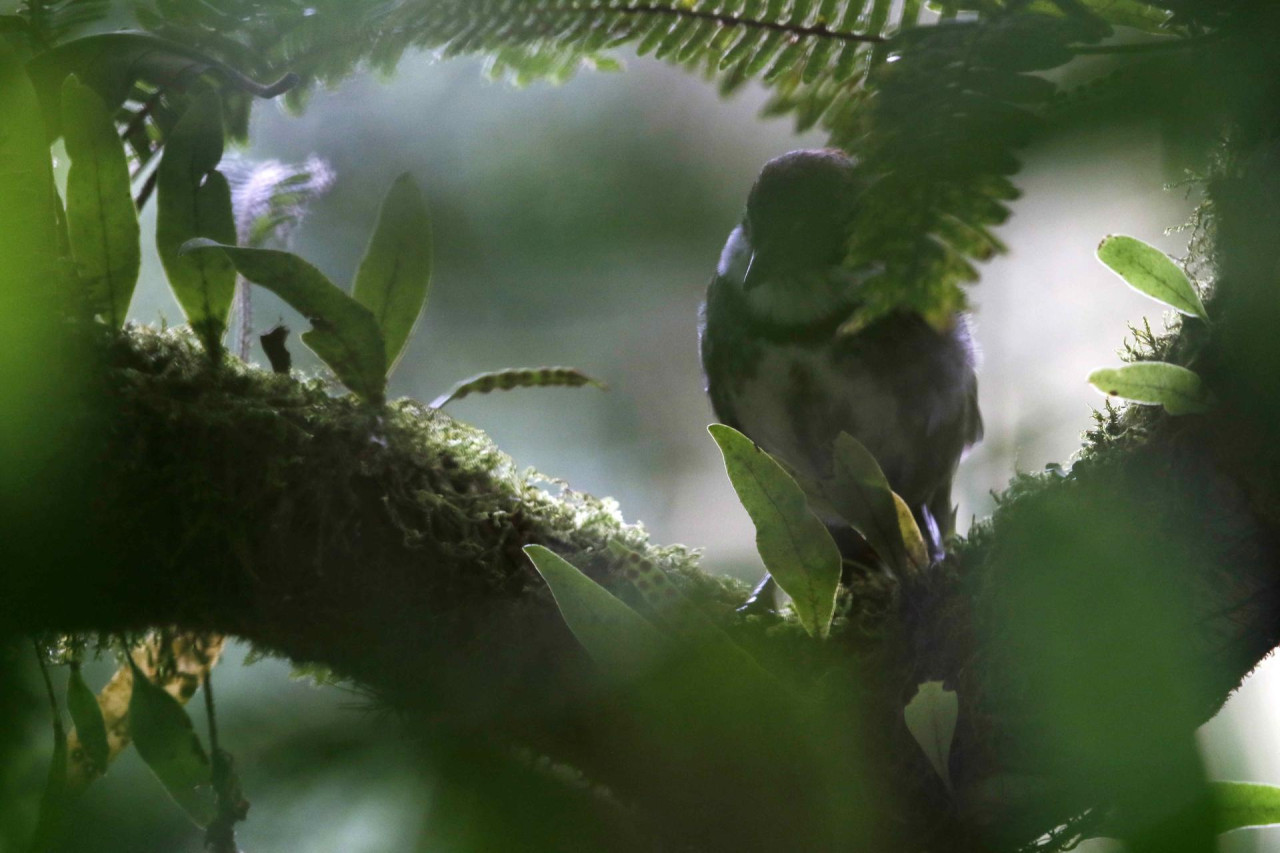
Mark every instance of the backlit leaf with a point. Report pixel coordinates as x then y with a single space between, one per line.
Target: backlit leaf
195 201
395 275
912 539
1150 271
1179 390
795 545
102 222
343 332
931 718
1241 804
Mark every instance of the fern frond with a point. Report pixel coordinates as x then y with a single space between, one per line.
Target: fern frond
934 102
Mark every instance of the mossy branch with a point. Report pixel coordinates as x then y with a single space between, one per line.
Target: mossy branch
387 546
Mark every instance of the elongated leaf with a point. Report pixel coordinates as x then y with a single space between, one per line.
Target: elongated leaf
524 377
195 201
914 547
192 656
622 641
29 243
931 718
102 222
395 275
167 742
53 802
1150 271
859 493
680 618
343 332
1241 804
91 727
1179 390
795 545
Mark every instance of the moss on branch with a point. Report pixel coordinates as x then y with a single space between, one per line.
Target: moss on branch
386 545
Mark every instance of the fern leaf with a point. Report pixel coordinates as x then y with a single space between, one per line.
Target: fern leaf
505 380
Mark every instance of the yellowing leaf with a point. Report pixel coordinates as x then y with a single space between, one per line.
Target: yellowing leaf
1150 271
623 642
1179 390
931 718
91 727
794 544
912 539
859 493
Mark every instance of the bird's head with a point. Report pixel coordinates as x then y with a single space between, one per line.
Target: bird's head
794 233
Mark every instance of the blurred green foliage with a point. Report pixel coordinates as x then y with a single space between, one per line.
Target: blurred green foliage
936 113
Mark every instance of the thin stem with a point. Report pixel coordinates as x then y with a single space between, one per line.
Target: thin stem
48 686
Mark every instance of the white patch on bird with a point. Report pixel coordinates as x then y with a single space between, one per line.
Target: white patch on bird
799 298
834 399
802 297
735 257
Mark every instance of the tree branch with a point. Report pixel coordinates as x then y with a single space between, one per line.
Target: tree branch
388 547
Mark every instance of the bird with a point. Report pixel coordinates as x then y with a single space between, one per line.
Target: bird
783 366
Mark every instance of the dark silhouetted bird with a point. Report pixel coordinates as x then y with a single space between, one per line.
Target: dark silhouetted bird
780 369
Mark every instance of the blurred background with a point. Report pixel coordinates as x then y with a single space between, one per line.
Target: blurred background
579 225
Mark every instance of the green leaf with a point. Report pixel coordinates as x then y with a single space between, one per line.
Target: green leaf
1150 271
53 802
1241 804
29 244
395 274
86 713
795 545
931 718
1154 382
859 493
167 742
526 377
620 640
195 201
102 221
343 332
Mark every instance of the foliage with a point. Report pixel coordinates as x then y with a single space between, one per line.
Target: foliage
794 544
934 104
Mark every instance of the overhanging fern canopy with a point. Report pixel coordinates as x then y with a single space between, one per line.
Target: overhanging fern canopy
934 100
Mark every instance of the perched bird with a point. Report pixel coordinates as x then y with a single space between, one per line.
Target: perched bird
780 369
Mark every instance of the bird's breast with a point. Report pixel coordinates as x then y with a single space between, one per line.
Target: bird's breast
795 400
